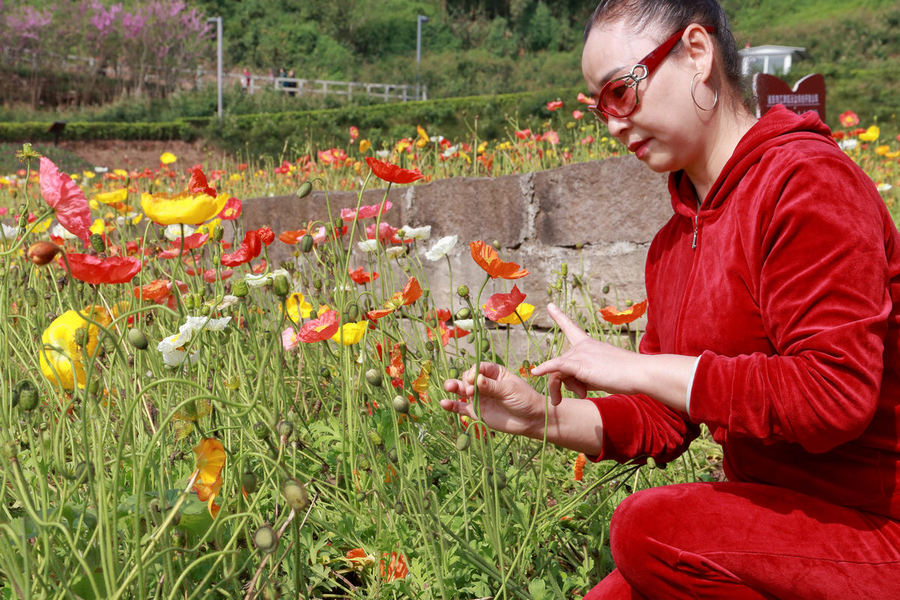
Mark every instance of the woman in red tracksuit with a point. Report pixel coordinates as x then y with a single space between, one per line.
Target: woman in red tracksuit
774 318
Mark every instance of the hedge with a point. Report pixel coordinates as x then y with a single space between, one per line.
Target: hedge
39 131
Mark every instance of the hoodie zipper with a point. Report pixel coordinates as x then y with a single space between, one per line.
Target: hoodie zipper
696 226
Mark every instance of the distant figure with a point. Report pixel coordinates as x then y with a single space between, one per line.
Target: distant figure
246 79
291 84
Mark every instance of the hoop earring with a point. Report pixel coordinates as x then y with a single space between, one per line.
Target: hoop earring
697 104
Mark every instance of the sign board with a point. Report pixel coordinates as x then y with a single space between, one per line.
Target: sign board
808 94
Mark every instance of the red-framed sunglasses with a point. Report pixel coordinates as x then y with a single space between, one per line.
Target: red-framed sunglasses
619 97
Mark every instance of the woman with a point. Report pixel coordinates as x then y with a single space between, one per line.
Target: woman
774 318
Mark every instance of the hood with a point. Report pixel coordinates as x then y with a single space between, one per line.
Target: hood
777 127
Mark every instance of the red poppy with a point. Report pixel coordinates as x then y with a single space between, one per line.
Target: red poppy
248 250
616 317
231 211
366 212
486 258
198 183
394 566
191 242
359 275
577 115
584 99
260 267
392 173
211 275
523 134
96 270
66 198
502 305
318 330
386 233
554 105
446 333
266 235
395 367
848 119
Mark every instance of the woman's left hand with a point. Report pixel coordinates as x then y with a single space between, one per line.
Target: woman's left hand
588 365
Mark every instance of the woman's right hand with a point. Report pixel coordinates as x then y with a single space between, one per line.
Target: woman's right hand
506 401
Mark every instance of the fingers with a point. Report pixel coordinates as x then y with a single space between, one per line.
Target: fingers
573 332
576 386
457 406
548 366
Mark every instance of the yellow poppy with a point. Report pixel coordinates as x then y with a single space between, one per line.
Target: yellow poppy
112 197
364 146
523 313
186 209
167 158
296 307
61 356
98 226
351 333
871 134
120 172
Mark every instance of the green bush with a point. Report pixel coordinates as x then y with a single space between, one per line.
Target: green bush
37 131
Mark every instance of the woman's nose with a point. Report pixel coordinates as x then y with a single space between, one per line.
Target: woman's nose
617 125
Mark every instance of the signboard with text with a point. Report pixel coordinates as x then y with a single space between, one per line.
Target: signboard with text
808 94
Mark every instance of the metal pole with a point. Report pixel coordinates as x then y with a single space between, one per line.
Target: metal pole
419 20
218 22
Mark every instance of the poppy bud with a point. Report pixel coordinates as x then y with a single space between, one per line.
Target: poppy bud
41 253
485 345
249 482
453 373
497 478
401 404
462 291
97 242
10 450
352 312
496 244
463 441
285 429
261 430
25 394
23 221
295 494
265 539
605 289
281 286
651 462
463 313
217 234
304 190
564 269
373 376
137 339
306 243
240 288
205 310
374 438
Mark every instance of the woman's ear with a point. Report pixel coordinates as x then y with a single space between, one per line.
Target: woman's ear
700 48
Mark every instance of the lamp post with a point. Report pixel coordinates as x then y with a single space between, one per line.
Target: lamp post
218 22
419 20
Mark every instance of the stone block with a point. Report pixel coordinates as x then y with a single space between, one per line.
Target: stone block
613 200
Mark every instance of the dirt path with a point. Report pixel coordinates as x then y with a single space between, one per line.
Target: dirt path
117 154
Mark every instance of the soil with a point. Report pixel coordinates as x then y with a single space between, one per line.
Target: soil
138 155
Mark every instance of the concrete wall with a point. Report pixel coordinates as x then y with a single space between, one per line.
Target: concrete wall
609 209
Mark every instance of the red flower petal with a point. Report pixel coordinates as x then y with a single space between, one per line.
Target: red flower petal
392 173
96 270
66 198
248 250
611 315
198 183
502 305
486 258
318 330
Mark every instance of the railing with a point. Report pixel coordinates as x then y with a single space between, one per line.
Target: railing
298 87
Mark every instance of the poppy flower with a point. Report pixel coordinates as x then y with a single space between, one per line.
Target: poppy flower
198 183
231 211
297 307
441 247
486 258
521 314
177 248
182 209
552 137
320 329
554 105
96 270
266 235
61 355
577 115
395 367
349 334
366 212
411 292
871 134
616 317
361 277
247 251
420 383
502 305
359 558
584 99
112 197
580 461
386 233
523 134
849 119
65 197
167 158
210 461
392 173
393 566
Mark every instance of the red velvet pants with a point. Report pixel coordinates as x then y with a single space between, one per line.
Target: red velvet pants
740 541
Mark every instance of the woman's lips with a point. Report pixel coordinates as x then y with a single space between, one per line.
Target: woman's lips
639 148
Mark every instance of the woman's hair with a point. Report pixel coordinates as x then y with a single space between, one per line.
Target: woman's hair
673 15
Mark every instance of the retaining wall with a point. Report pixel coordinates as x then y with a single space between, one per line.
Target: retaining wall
598 217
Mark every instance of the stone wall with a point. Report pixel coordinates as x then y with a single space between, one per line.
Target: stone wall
598 217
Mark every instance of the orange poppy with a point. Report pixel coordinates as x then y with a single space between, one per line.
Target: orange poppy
210 461
393 566
580 461
486 258
412 291
360 276
617 317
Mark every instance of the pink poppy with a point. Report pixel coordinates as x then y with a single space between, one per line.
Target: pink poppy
365 212
66 198
502 305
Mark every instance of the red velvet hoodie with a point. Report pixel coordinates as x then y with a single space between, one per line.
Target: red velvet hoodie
786 283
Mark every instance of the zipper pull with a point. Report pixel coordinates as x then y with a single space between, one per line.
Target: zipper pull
694 241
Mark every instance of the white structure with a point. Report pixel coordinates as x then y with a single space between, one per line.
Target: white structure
774 60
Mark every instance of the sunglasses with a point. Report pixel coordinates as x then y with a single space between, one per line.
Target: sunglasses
619 97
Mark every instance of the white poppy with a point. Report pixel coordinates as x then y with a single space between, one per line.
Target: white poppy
368 245
415 233
442 247
173 232
395 251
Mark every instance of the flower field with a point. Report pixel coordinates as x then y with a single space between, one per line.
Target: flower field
179 418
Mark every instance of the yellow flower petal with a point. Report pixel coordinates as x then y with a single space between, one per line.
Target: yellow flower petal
167 158
184 209
112 197
524 311
351 333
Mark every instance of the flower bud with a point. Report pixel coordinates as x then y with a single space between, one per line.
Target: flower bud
651 462
249 482
463 441
463 313
240 288
496 244
217 234
265 539
373 376
25 394
564 269
295 494
97 242
41 253
304 190
401 404
453 373
137 339
285 429
306 243
261 430
281 286
374 438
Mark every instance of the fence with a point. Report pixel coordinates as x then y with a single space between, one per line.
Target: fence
295 86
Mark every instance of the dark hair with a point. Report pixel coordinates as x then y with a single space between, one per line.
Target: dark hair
675 15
